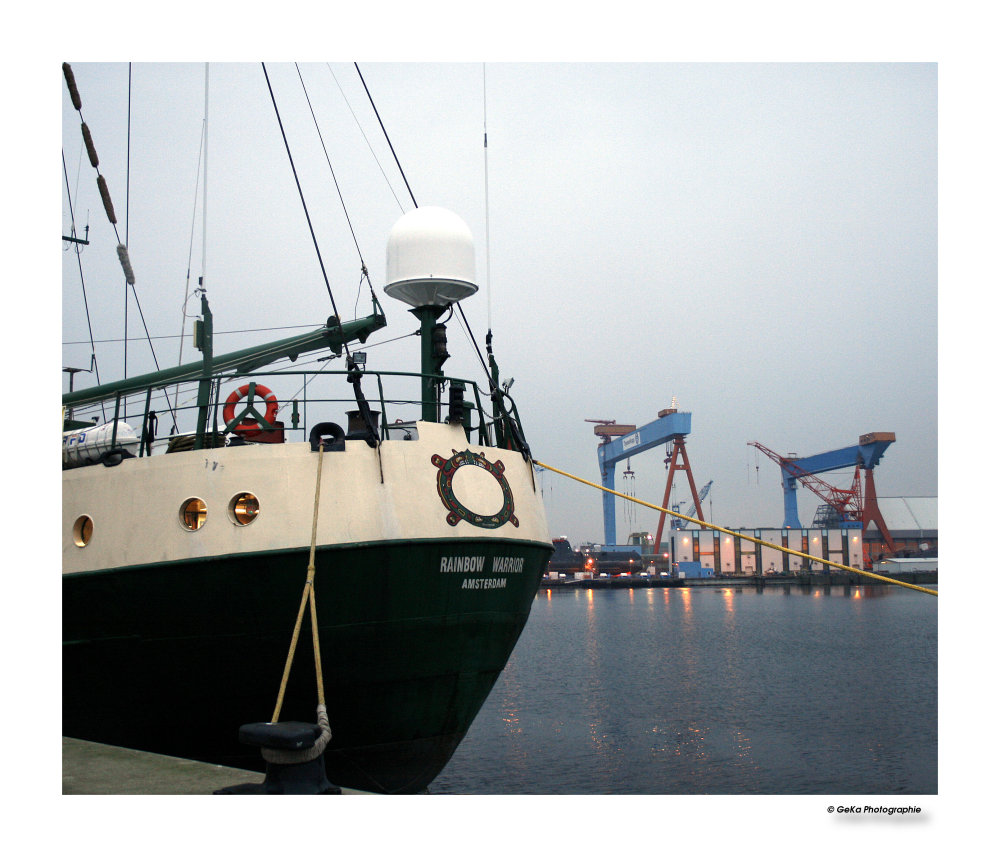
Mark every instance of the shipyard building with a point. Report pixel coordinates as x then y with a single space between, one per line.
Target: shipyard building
852 526
693 552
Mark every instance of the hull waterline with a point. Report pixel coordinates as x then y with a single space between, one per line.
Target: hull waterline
172 657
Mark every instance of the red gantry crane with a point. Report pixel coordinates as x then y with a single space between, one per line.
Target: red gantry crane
848 504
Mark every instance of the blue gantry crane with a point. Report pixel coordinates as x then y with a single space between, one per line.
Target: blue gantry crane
619 442
847 504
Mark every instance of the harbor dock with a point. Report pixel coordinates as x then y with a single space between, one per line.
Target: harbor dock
99 769
802 579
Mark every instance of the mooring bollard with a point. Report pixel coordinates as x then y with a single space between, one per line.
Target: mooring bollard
294 754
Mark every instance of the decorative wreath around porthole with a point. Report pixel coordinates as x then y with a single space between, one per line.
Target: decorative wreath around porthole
457 511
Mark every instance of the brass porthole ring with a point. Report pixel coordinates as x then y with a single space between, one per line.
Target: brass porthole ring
243 509
83 530
193 513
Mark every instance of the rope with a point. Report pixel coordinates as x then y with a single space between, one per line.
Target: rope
757 541
298 757
310 577
308 594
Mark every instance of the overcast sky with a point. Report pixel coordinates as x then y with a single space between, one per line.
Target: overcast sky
757 240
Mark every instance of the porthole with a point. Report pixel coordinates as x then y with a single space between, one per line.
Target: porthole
193 514
243 509
83 529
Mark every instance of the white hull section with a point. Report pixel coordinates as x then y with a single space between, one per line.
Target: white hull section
134 510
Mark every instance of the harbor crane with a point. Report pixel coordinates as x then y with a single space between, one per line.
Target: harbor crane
846 504
680 523
621 441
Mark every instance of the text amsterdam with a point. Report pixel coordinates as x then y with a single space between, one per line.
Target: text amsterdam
477 565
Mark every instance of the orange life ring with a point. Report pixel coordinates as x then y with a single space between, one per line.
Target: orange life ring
249 427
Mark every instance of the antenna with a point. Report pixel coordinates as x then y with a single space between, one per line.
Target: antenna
204 191
486 181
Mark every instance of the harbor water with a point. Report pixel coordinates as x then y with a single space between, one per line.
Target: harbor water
780 690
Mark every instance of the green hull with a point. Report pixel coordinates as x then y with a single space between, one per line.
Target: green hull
413 636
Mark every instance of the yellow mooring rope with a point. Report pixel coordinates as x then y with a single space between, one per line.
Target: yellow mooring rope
735 534
308 593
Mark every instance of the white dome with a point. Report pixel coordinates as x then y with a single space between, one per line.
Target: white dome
430 259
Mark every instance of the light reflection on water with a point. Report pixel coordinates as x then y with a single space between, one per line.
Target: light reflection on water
712 690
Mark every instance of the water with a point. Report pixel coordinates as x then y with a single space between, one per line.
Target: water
712 690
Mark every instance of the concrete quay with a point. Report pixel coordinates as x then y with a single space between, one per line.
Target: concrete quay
99 769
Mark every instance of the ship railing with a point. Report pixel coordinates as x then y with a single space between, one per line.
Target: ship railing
163 412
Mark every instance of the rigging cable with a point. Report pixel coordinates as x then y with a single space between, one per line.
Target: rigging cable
461 311
86 306
128 178
187 278
629 479
391 149
123 255
215 333
202 152
336 184
305 208
365 138
102 187
204 194
354 374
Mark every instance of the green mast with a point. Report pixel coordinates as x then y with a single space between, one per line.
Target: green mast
433 353
203 342
334 335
